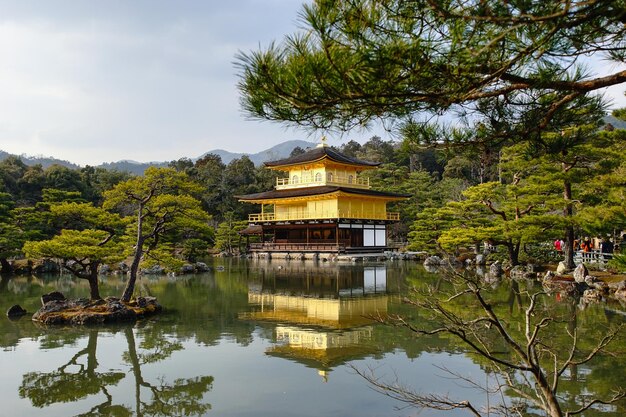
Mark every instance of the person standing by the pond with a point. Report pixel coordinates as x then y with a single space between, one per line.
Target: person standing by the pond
586 247
606 247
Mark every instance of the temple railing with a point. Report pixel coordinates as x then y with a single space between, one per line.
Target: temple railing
312 181
593 257
298 247
306 215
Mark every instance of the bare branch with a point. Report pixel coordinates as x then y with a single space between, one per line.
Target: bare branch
617 396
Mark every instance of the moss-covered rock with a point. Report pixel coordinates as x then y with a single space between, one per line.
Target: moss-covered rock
81 311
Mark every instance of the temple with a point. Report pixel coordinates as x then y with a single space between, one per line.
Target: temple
323 316
323 205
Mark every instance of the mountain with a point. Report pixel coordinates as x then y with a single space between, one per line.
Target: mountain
45 161
617 123
282 150
133 167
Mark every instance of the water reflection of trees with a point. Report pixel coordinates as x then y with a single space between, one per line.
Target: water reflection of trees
72 381
80 378
565 326
206 309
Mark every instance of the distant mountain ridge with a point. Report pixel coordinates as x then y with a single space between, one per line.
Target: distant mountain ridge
282 150
45 161
615 122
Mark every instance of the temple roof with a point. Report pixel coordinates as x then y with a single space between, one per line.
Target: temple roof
320 152
311 191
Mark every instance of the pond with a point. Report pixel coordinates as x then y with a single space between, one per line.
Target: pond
250 338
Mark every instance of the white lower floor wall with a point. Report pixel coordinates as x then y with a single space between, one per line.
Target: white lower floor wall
374 235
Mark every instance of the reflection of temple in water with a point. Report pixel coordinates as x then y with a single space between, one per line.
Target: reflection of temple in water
324 315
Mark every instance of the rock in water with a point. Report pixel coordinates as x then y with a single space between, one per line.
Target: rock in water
202 267
561 268
580 273
153 270
111 310
496 269
52 296
16 311
123 268
433 261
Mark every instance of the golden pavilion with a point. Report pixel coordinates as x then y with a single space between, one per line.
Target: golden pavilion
322 205
323 316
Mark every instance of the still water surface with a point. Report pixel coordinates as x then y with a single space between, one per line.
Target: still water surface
247 339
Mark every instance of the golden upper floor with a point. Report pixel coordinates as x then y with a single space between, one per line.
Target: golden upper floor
322 184
321 166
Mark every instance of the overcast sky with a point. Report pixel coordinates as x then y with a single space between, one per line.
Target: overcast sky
95 81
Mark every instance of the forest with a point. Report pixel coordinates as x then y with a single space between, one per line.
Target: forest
511 196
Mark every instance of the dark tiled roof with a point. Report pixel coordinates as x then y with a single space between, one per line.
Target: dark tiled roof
251 230
310 191
319 153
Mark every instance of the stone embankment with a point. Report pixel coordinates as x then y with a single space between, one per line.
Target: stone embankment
334 257
586 285
589 286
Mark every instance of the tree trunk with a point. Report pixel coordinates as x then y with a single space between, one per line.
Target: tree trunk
92 359
134 267
552 404
513 249
7 268
136 366
568 212
4 282
94 290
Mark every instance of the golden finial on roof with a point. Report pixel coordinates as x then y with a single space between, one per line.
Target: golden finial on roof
323 143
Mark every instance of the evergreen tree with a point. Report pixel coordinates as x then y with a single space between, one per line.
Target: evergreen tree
159 202
227 237
89 239
358 61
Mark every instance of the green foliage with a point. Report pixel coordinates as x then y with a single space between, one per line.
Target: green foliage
528 207
603 197
98 180
161 208
64 178
619 113
90 238
54 195
11 236
75 245
227 237
619 262
540 254
428 226
79 378
358 61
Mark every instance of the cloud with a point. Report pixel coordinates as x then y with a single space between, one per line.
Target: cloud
141 80
94 81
